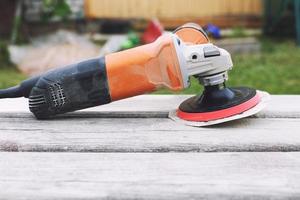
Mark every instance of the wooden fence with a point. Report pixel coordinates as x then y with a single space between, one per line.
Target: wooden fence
176 10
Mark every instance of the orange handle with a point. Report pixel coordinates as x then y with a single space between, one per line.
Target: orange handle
143 69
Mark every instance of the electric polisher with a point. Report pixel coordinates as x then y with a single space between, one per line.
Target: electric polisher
168 62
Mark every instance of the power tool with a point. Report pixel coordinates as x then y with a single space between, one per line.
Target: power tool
167 62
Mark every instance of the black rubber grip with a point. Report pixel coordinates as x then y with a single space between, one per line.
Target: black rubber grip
71 88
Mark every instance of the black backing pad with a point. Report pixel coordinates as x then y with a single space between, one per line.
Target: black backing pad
217 98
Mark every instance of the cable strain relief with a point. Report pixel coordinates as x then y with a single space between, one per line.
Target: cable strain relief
27 85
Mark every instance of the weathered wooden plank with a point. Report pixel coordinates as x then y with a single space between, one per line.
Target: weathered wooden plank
150 176
147 135
280 106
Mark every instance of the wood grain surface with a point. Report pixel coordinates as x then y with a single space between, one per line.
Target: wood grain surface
140 124
150 176
147 135
130 150
280 106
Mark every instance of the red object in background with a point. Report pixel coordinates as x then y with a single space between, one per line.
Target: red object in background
153 31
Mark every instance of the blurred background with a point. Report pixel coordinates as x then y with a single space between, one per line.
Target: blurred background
263 36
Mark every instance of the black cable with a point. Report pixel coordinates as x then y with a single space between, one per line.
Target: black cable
22 90
11 92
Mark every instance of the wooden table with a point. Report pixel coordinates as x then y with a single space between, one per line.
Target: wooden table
131 150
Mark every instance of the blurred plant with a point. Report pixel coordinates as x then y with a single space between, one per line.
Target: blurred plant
238 32
132 41
50 9
4 55
17 22
55 8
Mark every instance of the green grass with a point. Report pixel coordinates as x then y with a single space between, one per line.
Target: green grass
276 70
9 76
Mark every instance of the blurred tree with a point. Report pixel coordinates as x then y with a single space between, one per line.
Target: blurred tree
282 18
50 9
55 8
4 55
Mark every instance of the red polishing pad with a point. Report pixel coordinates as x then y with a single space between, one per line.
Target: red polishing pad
219 114
249 107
